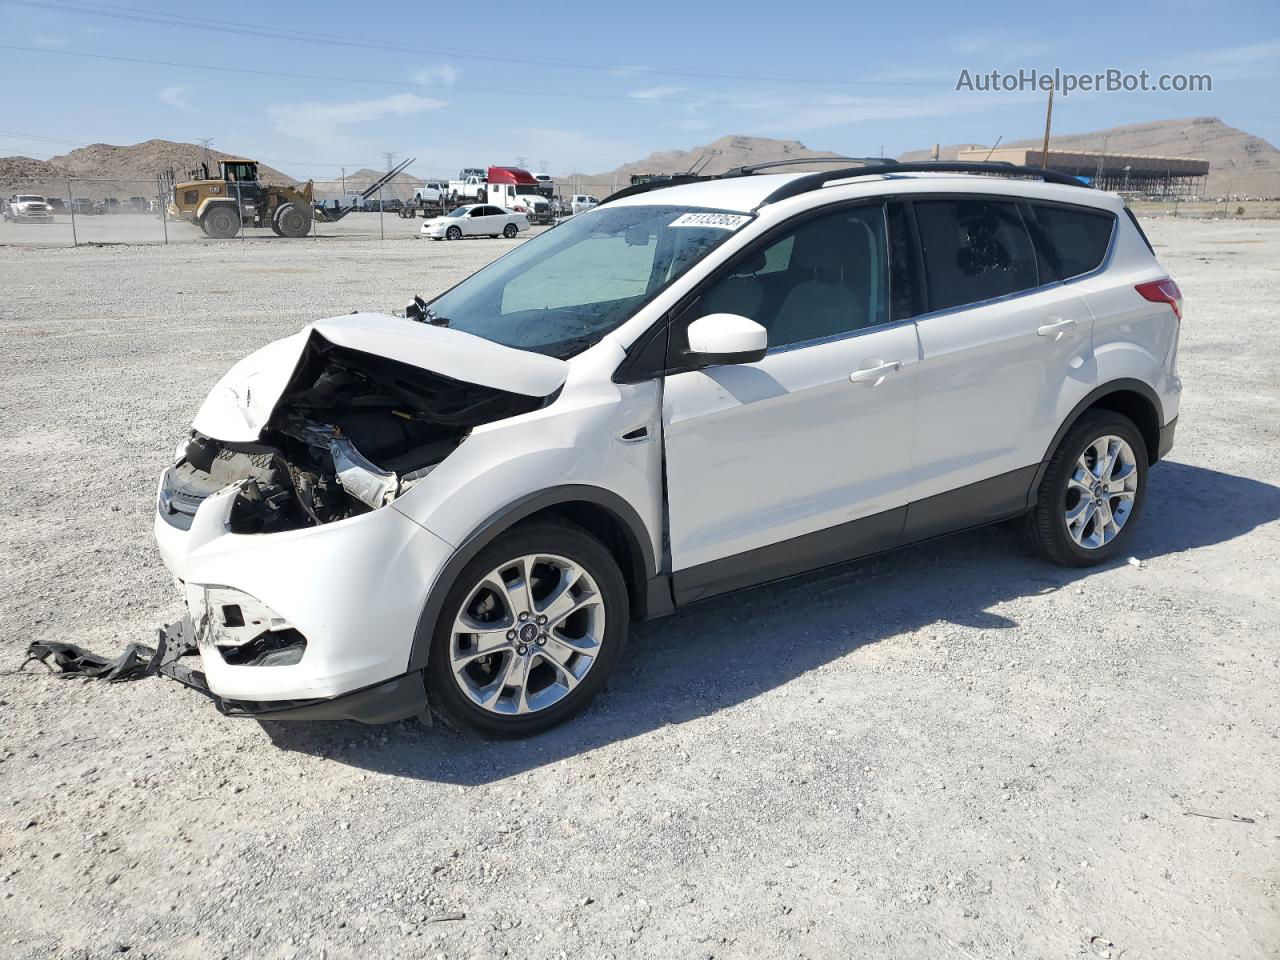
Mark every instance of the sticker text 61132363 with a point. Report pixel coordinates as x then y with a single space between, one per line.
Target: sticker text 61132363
720 221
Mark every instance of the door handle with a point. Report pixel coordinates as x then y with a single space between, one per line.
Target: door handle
875 375
1055 329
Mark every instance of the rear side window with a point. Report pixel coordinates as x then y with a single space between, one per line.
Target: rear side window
1075 240
974 250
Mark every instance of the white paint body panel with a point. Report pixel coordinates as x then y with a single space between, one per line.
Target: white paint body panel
764 452
354 588
993 391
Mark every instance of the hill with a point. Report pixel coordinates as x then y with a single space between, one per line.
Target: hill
124 170
1239 162
716 157
400 187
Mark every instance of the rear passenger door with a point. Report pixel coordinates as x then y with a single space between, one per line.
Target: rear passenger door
1006 353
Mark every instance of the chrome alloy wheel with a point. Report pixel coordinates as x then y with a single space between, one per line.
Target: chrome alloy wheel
527 634
1101 492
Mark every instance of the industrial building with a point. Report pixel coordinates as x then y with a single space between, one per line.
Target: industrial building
1122 173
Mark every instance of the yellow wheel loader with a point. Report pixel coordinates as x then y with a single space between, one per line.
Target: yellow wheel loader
221 205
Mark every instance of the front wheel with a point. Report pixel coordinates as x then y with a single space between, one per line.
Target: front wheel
221 222
509 231
453 233
1092 492
530 631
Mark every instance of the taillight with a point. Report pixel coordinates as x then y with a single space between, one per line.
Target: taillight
1163 291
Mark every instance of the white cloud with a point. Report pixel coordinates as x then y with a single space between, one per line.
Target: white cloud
654 93
996 46
439 75
176 97
322 123
841 111
1268 51
49 43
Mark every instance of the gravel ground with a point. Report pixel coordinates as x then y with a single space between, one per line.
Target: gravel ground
955 751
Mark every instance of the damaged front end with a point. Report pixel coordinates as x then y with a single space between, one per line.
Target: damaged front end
351 432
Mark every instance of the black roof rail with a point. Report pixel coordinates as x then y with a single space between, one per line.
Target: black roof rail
750 168
816 181
872 167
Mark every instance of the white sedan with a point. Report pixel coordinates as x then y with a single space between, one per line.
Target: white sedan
476 220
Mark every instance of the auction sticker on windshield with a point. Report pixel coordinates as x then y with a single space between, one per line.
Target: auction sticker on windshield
721 221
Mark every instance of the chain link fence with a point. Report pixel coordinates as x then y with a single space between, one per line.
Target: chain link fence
82 211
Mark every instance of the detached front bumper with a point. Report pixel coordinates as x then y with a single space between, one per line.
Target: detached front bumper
396 699
289 621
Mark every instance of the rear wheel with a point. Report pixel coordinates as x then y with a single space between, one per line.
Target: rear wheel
221 222
453 233
1092 492
530 631
510 230
291 221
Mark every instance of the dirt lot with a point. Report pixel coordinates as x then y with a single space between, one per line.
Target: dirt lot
955 751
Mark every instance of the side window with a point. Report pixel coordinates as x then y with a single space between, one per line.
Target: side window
826 276
1075 239
478 212
974 249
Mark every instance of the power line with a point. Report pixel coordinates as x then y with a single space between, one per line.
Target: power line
305 36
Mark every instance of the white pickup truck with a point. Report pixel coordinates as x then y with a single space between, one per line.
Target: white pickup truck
28 208
471 189
433 191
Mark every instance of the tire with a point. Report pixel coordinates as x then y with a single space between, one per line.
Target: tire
275 226
291 221
563 557
1100 530
510 231
453 233
221 222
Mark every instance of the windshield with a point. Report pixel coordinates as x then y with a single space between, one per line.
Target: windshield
565 289
29 199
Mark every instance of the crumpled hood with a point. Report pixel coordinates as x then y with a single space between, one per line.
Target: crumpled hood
242 402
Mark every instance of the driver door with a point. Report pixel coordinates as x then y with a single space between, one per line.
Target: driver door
801 459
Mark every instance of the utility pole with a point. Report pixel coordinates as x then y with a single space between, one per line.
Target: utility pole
1048 120
344 182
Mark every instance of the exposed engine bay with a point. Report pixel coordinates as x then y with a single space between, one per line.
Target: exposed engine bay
351 432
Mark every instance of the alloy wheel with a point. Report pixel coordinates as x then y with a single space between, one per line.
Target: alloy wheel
527 634
1101 492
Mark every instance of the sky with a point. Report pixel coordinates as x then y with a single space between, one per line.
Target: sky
311 88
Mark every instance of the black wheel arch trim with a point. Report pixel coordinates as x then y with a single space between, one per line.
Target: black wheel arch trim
649 594
1100 392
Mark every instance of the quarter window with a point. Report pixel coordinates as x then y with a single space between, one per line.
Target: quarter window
1075 240
826 276
974 250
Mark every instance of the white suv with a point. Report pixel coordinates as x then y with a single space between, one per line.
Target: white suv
696 387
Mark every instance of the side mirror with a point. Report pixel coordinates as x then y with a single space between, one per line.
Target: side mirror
720 339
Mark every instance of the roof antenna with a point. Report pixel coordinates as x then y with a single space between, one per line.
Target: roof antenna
993 148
